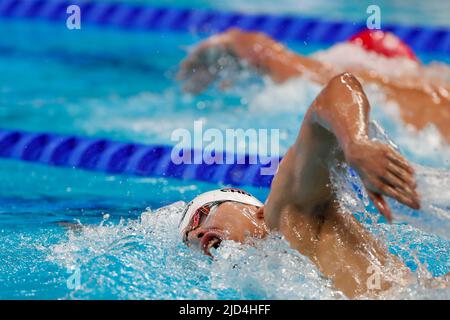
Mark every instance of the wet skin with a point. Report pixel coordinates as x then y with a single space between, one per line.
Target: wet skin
230 221
421 100
302 204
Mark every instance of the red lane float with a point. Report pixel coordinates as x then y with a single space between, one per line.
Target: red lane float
383 43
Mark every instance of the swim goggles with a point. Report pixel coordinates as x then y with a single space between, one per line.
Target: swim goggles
203 204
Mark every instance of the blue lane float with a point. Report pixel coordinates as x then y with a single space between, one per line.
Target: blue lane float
293 28
113 157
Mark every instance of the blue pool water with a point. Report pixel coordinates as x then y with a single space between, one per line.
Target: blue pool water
107 83
406 12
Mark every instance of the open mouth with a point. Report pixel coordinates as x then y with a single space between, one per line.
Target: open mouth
210 240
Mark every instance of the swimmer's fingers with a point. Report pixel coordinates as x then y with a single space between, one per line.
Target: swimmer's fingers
380 204
397 179
198 81
401 186
197 72
385 173
187 67
204 54
402 174
399 160
406 196
195 60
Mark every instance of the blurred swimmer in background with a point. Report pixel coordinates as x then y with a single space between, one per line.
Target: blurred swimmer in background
302 204
421 93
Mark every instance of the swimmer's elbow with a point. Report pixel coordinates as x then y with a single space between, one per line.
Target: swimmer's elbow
346 77
343 90
342 103
344 85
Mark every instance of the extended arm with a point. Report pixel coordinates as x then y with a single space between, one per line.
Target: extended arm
256 49
421 102
274 59
303 205
336 128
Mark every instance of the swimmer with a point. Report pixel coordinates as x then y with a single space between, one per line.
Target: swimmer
302 204
422 99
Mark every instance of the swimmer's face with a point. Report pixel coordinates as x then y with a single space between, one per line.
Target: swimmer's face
228 221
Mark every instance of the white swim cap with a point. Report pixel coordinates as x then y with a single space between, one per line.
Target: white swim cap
220 195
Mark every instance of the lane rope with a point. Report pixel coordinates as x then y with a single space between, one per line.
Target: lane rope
113 157
291 28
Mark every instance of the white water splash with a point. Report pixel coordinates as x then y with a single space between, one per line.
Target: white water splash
144 259
349 55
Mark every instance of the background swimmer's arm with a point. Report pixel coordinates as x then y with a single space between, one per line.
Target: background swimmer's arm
420 101
274 59
336 127
258 50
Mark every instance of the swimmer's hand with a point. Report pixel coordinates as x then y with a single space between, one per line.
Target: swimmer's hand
207 61
384 172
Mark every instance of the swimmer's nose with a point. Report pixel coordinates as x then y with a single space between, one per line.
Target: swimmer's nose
195 236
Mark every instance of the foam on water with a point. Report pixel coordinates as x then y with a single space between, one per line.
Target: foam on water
144 258
426 146
348 55
142 118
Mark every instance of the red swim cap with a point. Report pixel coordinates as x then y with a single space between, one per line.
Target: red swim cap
384 43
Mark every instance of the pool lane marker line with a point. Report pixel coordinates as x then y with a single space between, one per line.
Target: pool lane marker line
291 28
132 159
